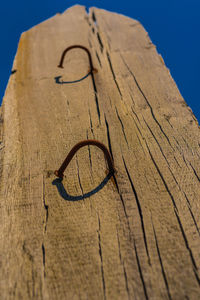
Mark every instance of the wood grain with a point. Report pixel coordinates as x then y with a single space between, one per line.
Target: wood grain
136 236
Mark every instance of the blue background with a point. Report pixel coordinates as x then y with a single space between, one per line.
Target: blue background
173 26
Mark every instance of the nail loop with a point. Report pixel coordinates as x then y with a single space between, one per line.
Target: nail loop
60 171
91 68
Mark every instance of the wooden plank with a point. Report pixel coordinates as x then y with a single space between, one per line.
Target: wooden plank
138 235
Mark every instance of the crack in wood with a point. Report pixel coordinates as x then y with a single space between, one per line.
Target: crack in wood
94 18
122 125
126 280
89 42
100 42
101 260
132 98
108 137
161 263
137 125
141 274
161 176
79 179
195 269
43 259
123 265
177 161
46 207
192 215
179 146
91 125
89 152
96 97
97 32
98 59
161 152
194 171
124 208
147 101
119 247
167 119
139 210
121 198
113 73
186 143
183 156
140 143
138 130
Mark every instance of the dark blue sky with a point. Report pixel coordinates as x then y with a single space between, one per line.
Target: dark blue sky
173 26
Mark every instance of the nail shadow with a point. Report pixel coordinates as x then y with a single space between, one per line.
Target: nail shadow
57 79
63 193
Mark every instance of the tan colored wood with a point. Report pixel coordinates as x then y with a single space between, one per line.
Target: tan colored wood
139 236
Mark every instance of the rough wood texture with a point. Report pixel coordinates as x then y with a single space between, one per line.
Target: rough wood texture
136 237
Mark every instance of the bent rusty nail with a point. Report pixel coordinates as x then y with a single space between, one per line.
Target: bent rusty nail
60 171
92 69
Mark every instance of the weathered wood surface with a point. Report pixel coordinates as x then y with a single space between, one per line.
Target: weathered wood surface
139 236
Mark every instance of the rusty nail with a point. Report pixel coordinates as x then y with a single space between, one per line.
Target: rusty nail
92 69
60 171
